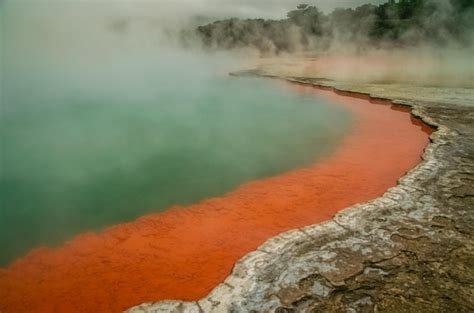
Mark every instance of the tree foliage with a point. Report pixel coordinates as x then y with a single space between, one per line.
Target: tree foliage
402 22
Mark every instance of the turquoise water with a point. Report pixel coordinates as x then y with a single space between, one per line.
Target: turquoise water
93 136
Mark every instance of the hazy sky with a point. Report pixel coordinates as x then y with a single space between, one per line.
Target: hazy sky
248 8
273 8
219 8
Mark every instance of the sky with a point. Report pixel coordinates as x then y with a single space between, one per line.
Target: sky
244 8
215 8
272 8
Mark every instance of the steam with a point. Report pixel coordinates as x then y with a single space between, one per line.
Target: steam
421 66
433 47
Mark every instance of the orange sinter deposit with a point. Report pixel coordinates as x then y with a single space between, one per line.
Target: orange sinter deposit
184 253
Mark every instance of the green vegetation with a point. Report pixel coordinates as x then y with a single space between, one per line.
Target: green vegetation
400 23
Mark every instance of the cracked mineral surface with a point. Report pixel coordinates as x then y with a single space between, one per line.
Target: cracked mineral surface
410 250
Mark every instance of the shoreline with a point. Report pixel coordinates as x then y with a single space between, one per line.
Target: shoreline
134 237
410 249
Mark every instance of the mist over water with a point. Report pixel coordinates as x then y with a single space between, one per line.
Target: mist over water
103 122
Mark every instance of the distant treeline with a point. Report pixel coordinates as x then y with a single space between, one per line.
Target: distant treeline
400 23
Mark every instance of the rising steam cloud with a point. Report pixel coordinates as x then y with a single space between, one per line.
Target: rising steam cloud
346 48
417 42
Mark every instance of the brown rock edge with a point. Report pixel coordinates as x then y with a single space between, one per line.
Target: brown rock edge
410 250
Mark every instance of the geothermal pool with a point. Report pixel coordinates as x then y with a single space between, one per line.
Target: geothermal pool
133 173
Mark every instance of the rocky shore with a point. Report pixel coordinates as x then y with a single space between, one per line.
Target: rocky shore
410 250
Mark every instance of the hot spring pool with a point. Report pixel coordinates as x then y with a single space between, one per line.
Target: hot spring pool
91 139
102 122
